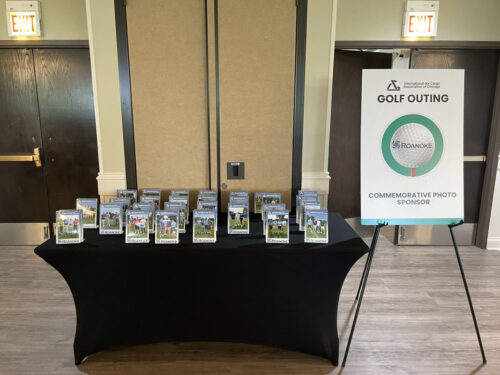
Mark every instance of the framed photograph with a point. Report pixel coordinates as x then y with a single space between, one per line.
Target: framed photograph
238 216
180 199
167 227
207 198
69 226
181 209
89 210
207 193
151 198
239 199
268 207
271 198
277 223
126 205
147 207
297 204
209 206
127 193
151 192
300 198
181 193
204 226
316 226
306 204
257 202
143 205
238 194
184 193
110 218
137 228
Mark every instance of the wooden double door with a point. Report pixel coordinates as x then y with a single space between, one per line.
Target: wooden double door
46 107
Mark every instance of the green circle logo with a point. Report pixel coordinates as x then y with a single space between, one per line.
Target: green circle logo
412 145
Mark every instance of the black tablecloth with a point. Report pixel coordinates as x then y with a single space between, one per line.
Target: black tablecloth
239 289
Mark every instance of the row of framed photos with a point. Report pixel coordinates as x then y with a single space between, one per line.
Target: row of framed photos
140 219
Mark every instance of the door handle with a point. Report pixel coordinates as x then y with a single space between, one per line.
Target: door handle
475 158
35 157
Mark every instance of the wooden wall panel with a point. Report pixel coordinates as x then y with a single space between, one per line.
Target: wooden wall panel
167 49
256 67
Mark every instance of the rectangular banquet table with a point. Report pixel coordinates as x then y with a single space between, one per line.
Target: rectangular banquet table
239 289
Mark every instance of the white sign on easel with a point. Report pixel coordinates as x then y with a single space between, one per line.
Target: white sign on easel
412 146
412 157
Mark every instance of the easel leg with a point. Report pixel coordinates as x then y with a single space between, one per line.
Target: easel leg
364 280
467 292
361 282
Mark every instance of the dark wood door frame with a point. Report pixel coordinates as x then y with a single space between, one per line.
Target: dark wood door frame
44 44
126 97
494 139
125 93
491 170
403 44
298 107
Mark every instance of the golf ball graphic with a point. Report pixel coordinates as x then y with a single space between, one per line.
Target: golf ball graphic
412 145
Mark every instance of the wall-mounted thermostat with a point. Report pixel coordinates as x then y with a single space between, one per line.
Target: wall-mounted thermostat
235 171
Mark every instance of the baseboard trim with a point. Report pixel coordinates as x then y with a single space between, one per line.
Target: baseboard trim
23 234
493 243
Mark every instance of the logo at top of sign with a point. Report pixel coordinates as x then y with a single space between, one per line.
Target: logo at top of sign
393 86
412 145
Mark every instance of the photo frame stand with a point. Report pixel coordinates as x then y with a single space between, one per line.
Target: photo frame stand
364 280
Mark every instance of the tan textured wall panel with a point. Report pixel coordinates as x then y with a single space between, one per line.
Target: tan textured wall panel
256 66
169 93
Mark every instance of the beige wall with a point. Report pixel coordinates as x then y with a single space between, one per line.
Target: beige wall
169 94
318 46
317 97
61 19
107 101
461 20
494 230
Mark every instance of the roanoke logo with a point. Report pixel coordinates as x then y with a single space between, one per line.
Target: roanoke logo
399 144
412 145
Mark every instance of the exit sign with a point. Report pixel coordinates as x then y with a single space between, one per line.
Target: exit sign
421 19
23 18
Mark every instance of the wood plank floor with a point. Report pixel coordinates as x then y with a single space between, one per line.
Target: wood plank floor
414 320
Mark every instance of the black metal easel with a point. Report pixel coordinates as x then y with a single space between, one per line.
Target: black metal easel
366 272
467 289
